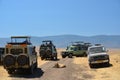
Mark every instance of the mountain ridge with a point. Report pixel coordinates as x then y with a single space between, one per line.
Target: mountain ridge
61 41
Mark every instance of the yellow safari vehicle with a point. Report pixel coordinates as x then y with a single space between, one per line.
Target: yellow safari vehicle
20 54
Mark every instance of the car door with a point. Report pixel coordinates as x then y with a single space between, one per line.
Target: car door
76 51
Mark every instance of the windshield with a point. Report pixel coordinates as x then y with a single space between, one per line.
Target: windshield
97 49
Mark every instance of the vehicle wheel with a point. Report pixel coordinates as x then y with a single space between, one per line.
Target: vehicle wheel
42 58
63 56
30 70
55 58
91 65
84 54
10 71
36 64
107 64
70 55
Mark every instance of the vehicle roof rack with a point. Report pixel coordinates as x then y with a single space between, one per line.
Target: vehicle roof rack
97 44
14 40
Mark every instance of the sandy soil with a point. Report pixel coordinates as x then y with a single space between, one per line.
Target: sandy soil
102 73
77 68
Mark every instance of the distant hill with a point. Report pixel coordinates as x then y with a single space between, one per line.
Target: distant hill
62 41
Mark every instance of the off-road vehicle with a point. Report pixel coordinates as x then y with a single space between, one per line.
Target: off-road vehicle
76 49
20 55
97 55
48 50
1 54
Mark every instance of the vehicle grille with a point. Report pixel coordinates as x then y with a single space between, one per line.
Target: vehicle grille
99 57
9 60
22 60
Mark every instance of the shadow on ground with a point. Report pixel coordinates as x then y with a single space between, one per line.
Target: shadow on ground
52 60
97 66
22 74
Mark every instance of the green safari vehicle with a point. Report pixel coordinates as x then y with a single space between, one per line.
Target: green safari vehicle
76 49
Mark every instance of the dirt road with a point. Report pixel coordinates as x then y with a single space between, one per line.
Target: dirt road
77 68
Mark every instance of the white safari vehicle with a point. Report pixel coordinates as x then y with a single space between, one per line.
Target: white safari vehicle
97 55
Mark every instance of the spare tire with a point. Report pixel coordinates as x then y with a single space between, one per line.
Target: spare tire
22 60
9 60
49 52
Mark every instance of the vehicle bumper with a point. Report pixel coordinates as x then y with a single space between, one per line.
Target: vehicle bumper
99 61
17 67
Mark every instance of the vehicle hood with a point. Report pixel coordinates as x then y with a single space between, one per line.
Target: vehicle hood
97 54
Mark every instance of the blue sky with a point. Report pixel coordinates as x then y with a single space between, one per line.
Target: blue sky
58 17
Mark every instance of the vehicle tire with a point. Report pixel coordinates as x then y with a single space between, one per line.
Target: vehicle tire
36 65
70 55
84 54
42 58
55 58
30 70
107 64
91 65
63 56
10 71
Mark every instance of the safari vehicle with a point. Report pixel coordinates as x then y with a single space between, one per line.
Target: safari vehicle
97 55
20 55
48 50
1 54
76 49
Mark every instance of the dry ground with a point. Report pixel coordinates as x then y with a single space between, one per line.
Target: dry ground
77 68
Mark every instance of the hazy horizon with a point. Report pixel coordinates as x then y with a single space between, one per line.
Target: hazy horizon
61 35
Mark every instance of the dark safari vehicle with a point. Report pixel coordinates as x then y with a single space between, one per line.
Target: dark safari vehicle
1 54
48 50
76 49
20 55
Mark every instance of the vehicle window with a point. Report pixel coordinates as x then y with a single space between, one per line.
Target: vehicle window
97 49
16 51
71 48
75 49
80 48
84 47
2 51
